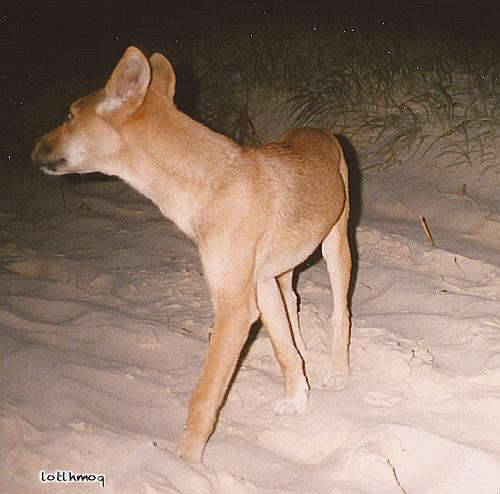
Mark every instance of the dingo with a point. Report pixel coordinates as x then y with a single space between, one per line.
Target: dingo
254 212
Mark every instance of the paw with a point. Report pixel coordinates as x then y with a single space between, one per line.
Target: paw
292 405
336 379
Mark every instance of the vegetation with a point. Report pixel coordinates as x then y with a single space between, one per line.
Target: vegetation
398 92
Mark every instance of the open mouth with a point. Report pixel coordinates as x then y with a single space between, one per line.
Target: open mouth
57 167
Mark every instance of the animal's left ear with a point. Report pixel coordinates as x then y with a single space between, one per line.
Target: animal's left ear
163 75
128 83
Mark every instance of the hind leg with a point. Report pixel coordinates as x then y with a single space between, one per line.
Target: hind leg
338 259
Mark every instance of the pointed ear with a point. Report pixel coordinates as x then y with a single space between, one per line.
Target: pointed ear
128 83
163 75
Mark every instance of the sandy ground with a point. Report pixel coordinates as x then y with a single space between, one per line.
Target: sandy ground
104 322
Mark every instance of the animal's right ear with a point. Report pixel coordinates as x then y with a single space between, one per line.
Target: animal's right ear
163 75
128 84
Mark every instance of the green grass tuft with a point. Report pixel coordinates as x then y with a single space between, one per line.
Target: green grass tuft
399 93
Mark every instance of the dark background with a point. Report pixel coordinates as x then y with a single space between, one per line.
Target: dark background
46 43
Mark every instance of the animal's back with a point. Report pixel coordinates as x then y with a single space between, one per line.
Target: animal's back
303 192
302 171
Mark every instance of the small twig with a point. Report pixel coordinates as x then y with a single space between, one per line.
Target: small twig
458 265
403 490
427 232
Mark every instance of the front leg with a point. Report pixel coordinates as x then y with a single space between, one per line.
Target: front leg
274 316
234 300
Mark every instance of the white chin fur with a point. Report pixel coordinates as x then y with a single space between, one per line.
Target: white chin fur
53 172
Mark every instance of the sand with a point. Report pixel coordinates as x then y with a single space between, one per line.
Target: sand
104 323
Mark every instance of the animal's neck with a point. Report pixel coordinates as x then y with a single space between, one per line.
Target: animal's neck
178 163
193 150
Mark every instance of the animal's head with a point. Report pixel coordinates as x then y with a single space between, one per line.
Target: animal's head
93 137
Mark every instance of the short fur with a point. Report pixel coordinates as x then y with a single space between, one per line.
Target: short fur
254 212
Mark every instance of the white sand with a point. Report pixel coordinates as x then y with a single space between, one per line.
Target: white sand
104 320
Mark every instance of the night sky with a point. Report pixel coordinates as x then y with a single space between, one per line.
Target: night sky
44 43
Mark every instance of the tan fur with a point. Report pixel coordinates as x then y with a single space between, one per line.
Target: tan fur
255 213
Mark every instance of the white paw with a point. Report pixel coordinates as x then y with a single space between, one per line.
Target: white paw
293 404
336 380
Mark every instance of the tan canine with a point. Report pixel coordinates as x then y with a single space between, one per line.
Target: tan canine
254 212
